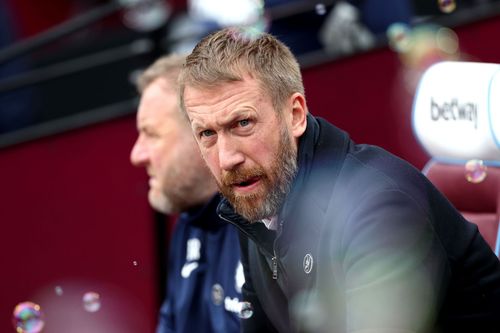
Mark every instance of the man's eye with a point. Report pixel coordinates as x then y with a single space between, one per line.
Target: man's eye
151 135
244 122
206 133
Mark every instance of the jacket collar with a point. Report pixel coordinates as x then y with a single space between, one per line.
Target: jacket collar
322 151
305 157
256 231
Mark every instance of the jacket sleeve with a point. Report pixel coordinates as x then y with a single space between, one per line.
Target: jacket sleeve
258 322
392 266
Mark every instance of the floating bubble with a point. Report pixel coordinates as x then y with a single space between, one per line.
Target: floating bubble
308 311
430 43
146 15
252 30
447 6
475 171
247 18
28 318
58 290
246 310
226 12
447 40
91 301
135 263
320 9
399 37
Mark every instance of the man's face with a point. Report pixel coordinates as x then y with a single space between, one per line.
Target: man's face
166 148
248 147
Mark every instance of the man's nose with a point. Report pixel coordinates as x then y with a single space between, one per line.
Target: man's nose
139 154
230 155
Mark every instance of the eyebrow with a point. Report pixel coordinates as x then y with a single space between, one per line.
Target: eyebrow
227 120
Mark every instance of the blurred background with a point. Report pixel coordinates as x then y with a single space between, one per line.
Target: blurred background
81 251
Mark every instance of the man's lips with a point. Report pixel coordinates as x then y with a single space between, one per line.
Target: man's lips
247 184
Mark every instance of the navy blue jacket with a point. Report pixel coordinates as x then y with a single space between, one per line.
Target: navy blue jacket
204 275
365 244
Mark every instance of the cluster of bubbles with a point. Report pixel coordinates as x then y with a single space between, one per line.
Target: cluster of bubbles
421 46
28 317
475 171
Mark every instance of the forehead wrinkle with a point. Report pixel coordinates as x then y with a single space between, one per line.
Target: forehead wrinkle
223 110
236 113
225 120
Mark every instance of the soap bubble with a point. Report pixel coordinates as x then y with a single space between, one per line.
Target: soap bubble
91 301
253 30
475 171
28 318
146 15
447 6
320 9
58 290
399 37
447 40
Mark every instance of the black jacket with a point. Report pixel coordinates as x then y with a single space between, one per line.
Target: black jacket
365 244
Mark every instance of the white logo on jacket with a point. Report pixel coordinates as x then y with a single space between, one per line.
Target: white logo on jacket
239 277
308 263
233 304
188 268
193 249
193 246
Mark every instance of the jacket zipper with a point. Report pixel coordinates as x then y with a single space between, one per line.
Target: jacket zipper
275 267
274 259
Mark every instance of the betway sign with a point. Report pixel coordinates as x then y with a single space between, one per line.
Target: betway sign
454 111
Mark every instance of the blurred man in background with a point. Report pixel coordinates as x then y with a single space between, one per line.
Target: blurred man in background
204 272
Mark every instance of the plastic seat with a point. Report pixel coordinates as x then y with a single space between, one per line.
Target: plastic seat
456 118
478 202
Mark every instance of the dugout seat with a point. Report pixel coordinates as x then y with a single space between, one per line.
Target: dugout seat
456 118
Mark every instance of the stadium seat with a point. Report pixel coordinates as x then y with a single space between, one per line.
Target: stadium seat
456 118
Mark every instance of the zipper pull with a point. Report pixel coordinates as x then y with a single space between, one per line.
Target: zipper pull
275 268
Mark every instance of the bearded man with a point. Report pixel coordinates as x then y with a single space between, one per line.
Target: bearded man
337 236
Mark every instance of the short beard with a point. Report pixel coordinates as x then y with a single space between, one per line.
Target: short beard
276 183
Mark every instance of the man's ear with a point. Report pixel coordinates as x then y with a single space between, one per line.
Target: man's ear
299 113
